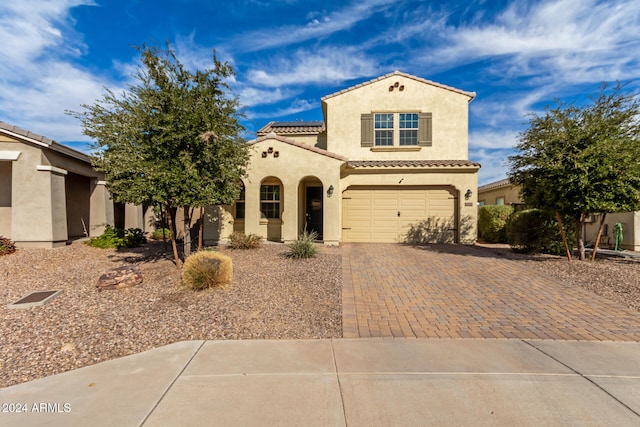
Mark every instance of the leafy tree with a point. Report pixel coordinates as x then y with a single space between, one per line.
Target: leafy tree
576 161
173 139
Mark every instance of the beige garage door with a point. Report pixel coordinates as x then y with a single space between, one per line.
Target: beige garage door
398 214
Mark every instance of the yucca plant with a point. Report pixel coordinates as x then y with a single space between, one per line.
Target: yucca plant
304 246
207 269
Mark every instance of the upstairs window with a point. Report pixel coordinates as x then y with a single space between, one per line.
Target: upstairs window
408 129
383 124
396 130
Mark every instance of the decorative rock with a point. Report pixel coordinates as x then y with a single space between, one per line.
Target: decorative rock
120 277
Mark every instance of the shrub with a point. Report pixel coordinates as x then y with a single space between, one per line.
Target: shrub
239 240
158 234
117 238
6 246
534 231
304 246
206 269
492 221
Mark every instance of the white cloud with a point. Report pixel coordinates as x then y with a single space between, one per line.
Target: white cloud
321 25
311 67
31 29
37 79
566 40
296 106
493 164
492 139
251 96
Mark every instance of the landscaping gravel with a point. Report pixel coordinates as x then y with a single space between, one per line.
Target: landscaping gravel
272 297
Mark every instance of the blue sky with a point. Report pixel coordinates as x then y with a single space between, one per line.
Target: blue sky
516 55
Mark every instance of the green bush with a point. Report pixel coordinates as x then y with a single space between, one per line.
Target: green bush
207 269
117 238
6 246
239 240
534 231
304 246
492 221
158 234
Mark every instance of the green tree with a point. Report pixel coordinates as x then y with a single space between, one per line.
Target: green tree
577 161
173 139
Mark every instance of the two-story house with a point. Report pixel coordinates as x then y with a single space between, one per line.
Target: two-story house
389 160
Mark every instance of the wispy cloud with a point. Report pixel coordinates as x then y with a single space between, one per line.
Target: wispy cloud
313 67
38 48
295 107
318 26
565 39
493 164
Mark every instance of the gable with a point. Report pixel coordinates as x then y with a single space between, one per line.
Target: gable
398 116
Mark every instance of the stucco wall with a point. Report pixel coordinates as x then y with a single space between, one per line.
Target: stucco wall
630 230
449 110
77 189
5 198
49 188
460 180
292 166
510 193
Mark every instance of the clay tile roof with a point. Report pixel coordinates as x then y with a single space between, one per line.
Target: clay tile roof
300 127
496 184
410 163
44 141
302 145
471 95
25 133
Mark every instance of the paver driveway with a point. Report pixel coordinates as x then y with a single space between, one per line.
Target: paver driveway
392 290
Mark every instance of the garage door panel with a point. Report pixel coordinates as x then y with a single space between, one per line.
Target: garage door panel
371 215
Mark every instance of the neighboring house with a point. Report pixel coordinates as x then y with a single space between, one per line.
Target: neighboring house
389 163
50 194
503 192
499 193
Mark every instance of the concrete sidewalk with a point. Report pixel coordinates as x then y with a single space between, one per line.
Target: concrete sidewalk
360 382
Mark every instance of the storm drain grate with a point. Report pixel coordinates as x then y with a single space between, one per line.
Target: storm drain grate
35 298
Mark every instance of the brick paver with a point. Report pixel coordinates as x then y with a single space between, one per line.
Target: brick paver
453 291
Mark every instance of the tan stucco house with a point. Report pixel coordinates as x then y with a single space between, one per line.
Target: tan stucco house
50 194
503 192
389 158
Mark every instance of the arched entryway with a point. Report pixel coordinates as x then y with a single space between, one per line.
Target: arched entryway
311 206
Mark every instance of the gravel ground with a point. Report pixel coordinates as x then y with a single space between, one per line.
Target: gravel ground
272 297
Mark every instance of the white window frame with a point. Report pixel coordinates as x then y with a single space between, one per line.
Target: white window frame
381 134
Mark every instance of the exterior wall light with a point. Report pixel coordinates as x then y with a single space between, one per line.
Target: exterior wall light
468 194
330 191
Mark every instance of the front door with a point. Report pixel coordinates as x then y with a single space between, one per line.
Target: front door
314 210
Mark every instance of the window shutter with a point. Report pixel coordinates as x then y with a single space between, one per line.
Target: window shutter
366 121
425 130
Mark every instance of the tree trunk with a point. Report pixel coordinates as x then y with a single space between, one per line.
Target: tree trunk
595 247
563 235
580 236
172 229
163 223
200 231
187 231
